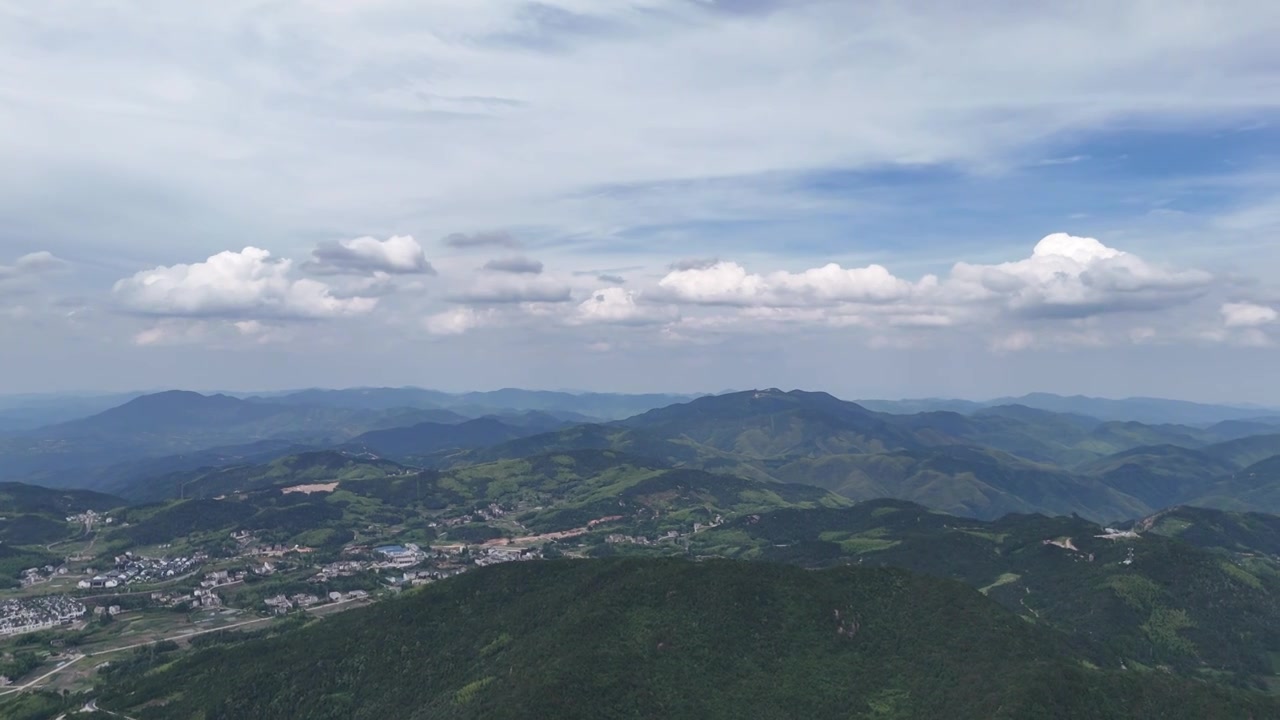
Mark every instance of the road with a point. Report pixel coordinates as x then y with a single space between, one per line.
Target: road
180 636
67 663
61 666
92 706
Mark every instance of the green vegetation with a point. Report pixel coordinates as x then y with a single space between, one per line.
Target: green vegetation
1152 600
672 639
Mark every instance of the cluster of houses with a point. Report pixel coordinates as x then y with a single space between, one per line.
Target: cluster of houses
278 550
422 577
400 556
90 518
281 604
131 569
491 512
205 595
500 554
21 615
341 568
35 575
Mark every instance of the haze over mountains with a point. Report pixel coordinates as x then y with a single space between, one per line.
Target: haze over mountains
1126 567
994 459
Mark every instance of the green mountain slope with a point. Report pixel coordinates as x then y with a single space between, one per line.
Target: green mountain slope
670 639
33 515
1247 450
1160 475
963 481
1148 600
1244 533
430 437
772 423
546 493
1256 487
308 467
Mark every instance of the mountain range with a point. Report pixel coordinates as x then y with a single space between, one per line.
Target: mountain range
988 462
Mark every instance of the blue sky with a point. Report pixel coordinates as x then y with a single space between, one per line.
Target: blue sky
875 199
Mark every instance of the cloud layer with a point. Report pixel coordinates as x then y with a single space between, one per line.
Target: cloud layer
1069 290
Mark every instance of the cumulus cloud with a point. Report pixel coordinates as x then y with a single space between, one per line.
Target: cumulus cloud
1075 281
618 306
398 254
515 265
728 283
491 238
1068 276
1244 314
456 321
249 283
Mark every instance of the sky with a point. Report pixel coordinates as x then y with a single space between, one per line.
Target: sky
879 199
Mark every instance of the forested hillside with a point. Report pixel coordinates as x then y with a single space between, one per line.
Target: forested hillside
671 639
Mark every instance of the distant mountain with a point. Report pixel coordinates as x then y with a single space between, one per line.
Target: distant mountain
667 639
427 438
773 423
620 439
965 481
952 462
1139 409
1247 450
585 405
361 398
1236 429
1160 475
308 467
179 423
1256 487
161 413
27 412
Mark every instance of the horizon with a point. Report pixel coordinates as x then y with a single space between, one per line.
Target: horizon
244 394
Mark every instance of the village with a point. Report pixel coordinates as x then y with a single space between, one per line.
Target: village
23 615
135 569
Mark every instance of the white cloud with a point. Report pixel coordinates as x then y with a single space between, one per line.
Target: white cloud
618 306
398 254
727 283
1244 314
246 284
1065 276
456 321
1069 276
